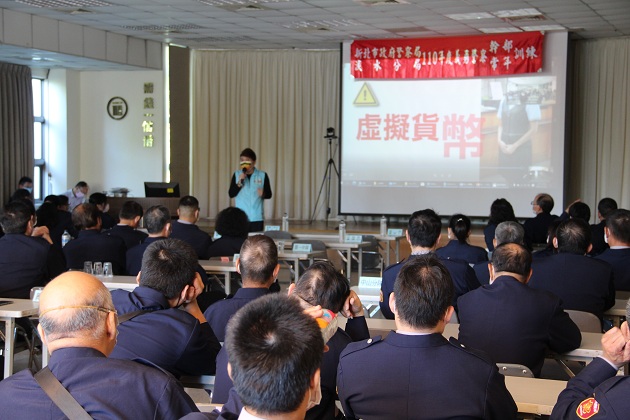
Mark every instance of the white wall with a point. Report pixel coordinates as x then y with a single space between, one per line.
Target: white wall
87 145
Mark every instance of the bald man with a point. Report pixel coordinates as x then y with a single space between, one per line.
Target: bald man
78 323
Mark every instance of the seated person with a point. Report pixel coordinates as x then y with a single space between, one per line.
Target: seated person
618 255
258 267
422 373
505 233
500 211
582 283
536 228
168 328
27 257
100 201
77 322
233 226
605 207
511 322
577 210
459 248
598 392
185 227
90 245
269 381
320 285
64 222
129 215
423 234
551 235
77 194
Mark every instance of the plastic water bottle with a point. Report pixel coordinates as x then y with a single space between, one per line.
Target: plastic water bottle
65 238
342 231
285 222
383 225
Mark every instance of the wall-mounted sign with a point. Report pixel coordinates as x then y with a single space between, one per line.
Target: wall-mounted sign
117 108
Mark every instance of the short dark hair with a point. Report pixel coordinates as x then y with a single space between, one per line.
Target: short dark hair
168 265
574 236
274 349
24 180
501 211
249 153
156 218
606 206
81 184
54 199
423 291
85 216
259 257
188 205
424 228
62 200
618 222
130 210
512 258
545 202
22 194
15 216
47 215
580 210
233 222
321 284
509 232
98 199
460 225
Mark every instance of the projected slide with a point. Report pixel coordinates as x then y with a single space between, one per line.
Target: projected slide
452 144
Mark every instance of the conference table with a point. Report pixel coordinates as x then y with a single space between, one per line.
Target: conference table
18 308
295 257
534 395
332 242
225 268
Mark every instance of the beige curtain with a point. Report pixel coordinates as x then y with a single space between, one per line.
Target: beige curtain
599 152
279 103
16 127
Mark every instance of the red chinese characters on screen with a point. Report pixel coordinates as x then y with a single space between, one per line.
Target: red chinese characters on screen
461 134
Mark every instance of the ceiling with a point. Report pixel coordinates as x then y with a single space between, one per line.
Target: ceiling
323 24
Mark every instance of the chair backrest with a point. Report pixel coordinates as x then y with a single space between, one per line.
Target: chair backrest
586 321
278 234
315 244
512 369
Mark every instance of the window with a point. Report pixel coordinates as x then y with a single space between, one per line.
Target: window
39 138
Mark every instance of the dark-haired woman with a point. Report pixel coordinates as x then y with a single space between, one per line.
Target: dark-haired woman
458 246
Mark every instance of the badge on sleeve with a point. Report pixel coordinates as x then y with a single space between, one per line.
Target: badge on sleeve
587 408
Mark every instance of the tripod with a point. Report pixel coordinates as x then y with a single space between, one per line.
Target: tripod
330 167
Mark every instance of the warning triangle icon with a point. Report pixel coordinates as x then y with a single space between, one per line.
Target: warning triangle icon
365 97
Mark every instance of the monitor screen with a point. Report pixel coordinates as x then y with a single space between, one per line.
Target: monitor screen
161 189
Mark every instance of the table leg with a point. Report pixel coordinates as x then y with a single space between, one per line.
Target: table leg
228 283
296 263
397 250
349 263
9 327
360 262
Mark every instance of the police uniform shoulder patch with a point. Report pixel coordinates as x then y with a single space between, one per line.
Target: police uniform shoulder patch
587 408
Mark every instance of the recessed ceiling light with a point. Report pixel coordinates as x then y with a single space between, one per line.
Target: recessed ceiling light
516 13
499 30
470 16
543 28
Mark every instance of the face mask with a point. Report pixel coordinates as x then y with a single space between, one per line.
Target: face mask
106 209
315 397
30 190
605 237
79 194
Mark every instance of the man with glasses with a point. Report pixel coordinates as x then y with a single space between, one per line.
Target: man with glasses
78 323
165 324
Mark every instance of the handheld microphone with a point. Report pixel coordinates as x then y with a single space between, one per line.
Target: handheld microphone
244 170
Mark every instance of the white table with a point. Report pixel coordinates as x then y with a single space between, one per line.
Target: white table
119 282
332 242
295 257
534 395
220 267
19 308
389 239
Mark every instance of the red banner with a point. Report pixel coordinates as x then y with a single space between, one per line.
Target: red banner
442 58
